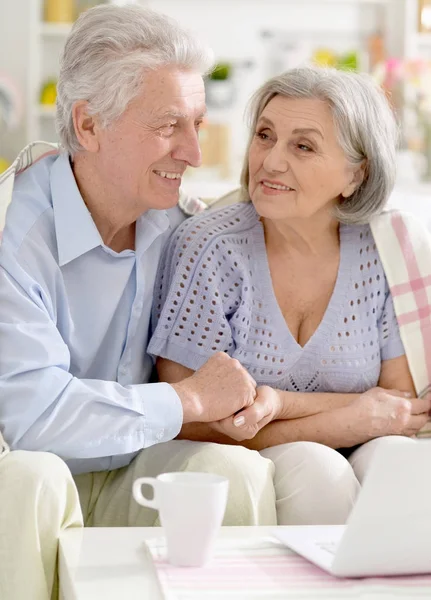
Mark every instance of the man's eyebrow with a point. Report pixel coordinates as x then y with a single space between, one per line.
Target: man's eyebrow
173 114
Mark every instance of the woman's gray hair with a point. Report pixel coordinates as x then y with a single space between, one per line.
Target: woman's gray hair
105 58
365 125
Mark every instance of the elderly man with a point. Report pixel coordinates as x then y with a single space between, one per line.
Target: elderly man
81 245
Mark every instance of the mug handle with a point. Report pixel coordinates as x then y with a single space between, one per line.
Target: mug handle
138 495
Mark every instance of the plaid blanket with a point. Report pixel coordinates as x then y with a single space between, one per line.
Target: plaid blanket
404 247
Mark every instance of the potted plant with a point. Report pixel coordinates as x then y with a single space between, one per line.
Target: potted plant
219 86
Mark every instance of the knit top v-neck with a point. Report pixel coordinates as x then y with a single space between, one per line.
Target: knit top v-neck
214 293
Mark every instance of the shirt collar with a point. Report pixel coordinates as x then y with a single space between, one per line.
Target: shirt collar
75 229
150 226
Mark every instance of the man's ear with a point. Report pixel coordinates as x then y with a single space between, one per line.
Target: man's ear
86 126
358 175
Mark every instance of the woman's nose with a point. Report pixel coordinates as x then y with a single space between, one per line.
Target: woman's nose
276 160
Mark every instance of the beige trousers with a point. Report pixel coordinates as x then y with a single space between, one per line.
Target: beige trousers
302 482
38 499
106 497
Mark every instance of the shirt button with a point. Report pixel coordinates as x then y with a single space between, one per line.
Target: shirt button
160 434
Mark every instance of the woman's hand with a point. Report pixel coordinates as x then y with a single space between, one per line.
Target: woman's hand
246 423
380 412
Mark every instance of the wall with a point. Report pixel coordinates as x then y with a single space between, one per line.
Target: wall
14 35
232 27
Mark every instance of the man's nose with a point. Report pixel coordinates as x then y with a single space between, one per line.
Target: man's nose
188 149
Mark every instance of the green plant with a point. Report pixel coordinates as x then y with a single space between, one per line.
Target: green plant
221 72
348 62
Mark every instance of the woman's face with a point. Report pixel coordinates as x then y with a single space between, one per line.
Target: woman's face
297 167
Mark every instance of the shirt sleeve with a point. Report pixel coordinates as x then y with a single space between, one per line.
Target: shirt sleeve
197 290
44 407
391 345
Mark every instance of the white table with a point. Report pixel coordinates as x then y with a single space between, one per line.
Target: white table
113 563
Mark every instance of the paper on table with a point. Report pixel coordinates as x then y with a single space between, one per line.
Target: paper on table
265 569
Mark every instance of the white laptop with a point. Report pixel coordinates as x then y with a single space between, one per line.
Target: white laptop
388 531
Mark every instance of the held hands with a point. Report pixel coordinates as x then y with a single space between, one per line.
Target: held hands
375 413
220 388
224 395
245 424
380 412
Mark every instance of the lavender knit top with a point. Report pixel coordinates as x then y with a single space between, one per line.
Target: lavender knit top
214 292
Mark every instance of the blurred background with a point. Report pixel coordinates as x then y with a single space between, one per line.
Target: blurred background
252 40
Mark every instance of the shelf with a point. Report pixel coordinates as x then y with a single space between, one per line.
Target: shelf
45 111
55 29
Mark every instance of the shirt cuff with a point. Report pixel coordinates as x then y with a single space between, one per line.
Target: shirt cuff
162 412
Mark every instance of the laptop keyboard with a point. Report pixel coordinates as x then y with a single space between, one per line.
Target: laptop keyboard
328 546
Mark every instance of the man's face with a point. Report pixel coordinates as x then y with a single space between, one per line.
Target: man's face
143 154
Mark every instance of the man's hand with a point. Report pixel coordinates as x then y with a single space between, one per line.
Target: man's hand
245 424
380 412
219 389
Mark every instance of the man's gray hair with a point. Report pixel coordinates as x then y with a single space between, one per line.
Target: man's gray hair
105 58
365 125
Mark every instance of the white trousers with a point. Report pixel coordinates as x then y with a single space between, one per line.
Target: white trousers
298 483
316 485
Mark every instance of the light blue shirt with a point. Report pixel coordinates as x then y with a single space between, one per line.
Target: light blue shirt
74 326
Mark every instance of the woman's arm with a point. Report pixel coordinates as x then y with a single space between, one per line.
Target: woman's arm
171 372
323 418
295 405
394 375
326 428
293 427
339 424
331 428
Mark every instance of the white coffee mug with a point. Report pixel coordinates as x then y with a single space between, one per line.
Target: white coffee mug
191 508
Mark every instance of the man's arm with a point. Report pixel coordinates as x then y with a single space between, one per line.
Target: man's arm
43 407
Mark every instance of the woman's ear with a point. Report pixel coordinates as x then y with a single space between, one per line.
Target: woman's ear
358 175
86 126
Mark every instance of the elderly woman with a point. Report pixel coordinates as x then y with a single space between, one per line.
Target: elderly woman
291 284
